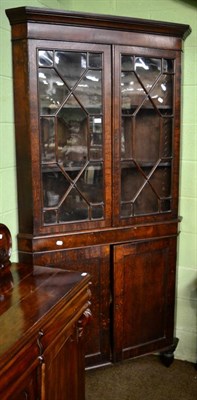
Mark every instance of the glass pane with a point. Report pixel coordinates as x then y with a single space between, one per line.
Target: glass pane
132 92
45 58
89 91
72 134
50 217
126 210
146 139
52 91
162 92
74 208
168 65
96 130
91 183
127 137
161 181
70 65
132 180
165 205
73 172
97 212
146 202
95 60
96 153
127 62
55 186
148 70
47 139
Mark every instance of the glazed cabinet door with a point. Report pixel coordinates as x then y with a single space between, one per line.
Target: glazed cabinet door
68 184
96 261
144 289
146 126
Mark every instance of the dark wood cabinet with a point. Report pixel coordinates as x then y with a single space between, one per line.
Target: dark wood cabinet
42 316
97 146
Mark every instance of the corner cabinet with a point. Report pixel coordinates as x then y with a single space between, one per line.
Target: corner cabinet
97 121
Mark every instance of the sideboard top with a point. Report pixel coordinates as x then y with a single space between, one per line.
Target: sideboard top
28 293
72 18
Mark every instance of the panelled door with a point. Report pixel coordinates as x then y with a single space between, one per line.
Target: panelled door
144 282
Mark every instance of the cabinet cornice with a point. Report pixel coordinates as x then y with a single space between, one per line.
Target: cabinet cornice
72 18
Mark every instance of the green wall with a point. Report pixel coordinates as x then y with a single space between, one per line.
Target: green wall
182 11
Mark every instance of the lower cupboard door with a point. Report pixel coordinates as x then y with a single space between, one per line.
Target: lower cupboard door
96 261
26 389
63 371
144 292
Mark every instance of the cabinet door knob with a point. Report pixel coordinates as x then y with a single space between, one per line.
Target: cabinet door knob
59 242
83 321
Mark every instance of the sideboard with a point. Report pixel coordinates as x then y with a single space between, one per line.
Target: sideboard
43 312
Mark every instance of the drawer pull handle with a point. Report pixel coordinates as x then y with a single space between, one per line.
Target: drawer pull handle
40 346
